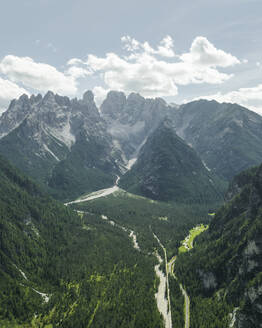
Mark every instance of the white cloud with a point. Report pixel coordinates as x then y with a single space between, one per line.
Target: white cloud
247 97
9 91
39 76
151 71
164 49
77 72
155 72
74 61
100 94
204 53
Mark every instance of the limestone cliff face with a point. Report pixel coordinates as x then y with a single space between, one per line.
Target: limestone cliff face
131 119
62 143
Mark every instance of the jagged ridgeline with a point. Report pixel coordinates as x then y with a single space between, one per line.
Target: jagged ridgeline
168 169
223 273
61 143
59 269
226 136
70 147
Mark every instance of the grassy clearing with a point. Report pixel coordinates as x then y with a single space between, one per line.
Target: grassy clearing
187 243
163 218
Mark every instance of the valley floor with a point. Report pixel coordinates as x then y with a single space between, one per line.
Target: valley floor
162 295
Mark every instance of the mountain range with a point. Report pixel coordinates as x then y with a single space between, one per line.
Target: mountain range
61 143
95 264
71 147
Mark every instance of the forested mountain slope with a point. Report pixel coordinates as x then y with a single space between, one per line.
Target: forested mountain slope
223 273
168 169
60 269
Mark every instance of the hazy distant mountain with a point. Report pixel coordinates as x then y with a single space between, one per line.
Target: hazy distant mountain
227 137
168 169
61 143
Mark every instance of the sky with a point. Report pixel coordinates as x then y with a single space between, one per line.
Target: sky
177 50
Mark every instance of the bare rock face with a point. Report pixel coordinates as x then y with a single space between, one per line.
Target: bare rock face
39 135
17 111
113 105
131 119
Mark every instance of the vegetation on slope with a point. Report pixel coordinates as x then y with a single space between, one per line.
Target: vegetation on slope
167 169
171 221
88 269
223 271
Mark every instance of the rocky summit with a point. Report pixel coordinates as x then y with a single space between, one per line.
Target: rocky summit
70 144
61 143
168 169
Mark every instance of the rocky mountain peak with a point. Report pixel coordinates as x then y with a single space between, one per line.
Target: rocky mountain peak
88 105
23 98
88 97
49 96
113 105
35 99
48 102
15 114
135 100
133 96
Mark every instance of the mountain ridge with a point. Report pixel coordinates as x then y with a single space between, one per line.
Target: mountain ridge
70 145
168 169
226 136
41 141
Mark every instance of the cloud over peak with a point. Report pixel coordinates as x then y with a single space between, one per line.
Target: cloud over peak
38 76
159 71
8 91
152 71
247 97
204 53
